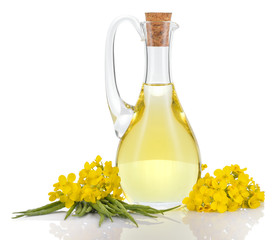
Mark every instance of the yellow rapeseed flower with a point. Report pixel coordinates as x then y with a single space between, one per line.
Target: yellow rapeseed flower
260 195
234 194
220 202
206 194
232 206
66 190
109 170
229 190
203 166
94 177
236 169
200 182
253 202
223 175
190 201
219 183
243 180
96 181
97 160
54 195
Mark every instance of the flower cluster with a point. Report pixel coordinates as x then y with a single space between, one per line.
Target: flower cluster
96 181
229 190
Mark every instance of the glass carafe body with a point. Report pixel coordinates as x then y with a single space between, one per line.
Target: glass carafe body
158 155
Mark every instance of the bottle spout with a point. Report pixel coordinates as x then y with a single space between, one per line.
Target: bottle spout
174 26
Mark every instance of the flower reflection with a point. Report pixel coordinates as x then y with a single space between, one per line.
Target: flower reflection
226 226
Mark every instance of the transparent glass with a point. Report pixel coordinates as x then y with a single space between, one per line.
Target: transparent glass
158 155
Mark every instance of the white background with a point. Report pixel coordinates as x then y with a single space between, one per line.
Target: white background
53 110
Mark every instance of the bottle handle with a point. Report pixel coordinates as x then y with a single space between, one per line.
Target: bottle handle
121 112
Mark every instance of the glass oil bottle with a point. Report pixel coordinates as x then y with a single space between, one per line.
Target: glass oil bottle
158 155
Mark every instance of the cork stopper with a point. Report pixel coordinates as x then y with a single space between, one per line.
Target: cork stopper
158 29
158 16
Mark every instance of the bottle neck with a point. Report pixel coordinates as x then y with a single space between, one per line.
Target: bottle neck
158 65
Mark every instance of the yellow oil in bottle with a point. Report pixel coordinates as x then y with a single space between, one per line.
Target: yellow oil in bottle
158 157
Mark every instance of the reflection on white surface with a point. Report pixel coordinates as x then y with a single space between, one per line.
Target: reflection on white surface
164 227
171 227
87 227
226 226
84 231
175 225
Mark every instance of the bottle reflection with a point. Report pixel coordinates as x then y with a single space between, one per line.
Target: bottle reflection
225 226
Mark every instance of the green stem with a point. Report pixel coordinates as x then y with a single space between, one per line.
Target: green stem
18 216
146 208
104 200
169 209
135 205
79 208
101 218
140 211
96 207
114 207
83 211
103 208
117 203
50 205
45 211
89 209
113 211
70 211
